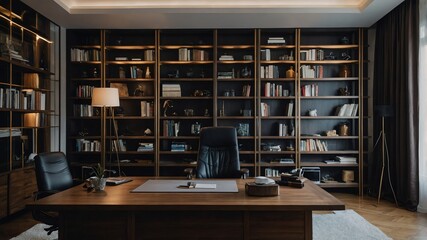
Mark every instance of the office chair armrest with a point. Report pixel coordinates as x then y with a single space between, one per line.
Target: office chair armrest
189 172
244 173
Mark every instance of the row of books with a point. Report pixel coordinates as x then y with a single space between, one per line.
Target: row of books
309 71
312 55
265 109
136 72
284 130
82 110
119 145
83 145
311 145
342 160
149 55
265 54
246 92
310 90
185 54
269 71
82 55
347 110
145 147
147 109
170 128
22 99
275 90
84 91
171 90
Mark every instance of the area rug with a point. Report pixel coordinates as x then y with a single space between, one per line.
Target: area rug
37 232
345 225
339 225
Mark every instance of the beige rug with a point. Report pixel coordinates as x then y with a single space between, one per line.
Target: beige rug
340 225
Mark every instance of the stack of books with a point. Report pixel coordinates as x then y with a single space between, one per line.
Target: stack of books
226 58
178 146
171 90
276 40
346 159
225 75
145 147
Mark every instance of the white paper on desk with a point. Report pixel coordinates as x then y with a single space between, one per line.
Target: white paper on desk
205 185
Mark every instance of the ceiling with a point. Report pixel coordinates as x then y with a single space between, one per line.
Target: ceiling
161 14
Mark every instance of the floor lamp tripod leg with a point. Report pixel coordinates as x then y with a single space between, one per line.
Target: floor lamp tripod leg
382 136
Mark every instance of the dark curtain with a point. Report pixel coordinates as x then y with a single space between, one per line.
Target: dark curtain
396 84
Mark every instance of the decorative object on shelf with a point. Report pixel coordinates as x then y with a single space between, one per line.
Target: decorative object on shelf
345 71
201 93
247 57
344 40
147 72
95 73
138 72
290 147
122 73
83 132
331 133
189 112
343 129
174 74
229 93
148 132
122 87
139 91
330 56
291 129
195 128
206 114
312 112
347 176
222 110
291 56
189 73
243 129
84 74
345 56
344 91
290 73
166 105
246 72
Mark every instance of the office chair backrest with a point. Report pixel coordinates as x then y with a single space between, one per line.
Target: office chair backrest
218 155
52 172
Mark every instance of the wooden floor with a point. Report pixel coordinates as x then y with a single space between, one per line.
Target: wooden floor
395 222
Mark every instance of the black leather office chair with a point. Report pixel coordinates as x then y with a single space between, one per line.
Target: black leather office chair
218 155
53 175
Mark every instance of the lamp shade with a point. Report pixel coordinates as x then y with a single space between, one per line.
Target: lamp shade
105 97
31 120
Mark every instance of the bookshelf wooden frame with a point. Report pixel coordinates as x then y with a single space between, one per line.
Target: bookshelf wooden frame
203 74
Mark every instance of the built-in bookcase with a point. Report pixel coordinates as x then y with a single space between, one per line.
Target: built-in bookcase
26 70
296 97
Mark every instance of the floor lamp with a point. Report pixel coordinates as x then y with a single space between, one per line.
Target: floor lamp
384 111
103 98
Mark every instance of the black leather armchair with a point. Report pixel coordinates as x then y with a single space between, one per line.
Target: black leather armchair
53 175
218 155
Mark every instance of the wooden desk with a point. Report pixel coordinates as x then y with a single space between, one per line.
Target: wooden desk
118 214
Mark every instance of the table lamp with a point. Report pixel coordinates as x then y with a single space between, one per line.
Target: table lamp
32 120
103 98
